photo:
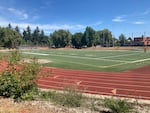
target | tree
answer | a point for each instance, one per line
(9, 26)
(27, 36)
(76, 40)
(88, 37)
(129, 41)
(61, 38)
(104, 38)
(9, 38)
(122, 39)
(36, 36)
(43, 40)
(17, 29)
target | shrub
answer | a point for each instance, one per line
(69, 97)
(118, 105)
(19, 84)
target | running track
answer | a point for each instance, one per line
(132, 84)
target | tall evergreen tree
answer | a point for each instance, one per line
(9, 26)
(17, 29)
(36, 36)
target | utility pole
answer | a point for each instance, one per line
(132, 40)
(103, 39)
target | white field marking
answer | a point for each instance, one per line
(84, 64)
(132, 62)
(140, 60)
(90, 58)
(120, 55)
(35, 53)
(68, 56)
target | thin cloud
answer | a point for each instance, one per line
(96, 24)
(146, 12)
(139, 22)
(45, 27)
(118, 19)
(19, 13)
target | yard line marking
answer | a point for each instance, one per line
(90, 58)
(35, 53)
(140, 60)
(121, 55)
(131, 62)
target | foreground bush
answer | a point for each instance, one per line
(19, 84)
(118, 105)
(70, 97)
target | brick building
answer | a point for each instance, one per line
(142, 41)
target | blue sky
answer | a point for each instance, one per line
(119, 16)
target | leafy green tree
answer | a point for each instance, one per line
(88, 37)
(9, 38)
(107, 37)
(122, 40)
(61, 38)
(104, 38)
(76, 40)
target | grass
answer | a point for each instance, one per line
(95, 60)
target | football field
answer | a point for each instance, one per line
(96, 60)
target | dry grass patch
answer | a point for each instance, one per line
(40, 61)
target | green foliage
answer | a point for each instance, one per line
(89, 37)
(76, 40)
(61, 38)
(14, 57)
(122, 40)
(19, 84)
(118, 105)
(9, 38)
(69, 97)
(104, 37)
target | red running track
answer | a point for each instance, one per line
(132, 84)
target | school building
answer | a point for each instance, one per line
(142, 41)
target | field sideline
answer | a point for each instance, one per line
(96, 60)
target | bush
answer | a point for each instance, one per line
(69, 97)
(19, 84)
(117, 105)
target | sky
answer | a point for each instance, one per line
(130, 17)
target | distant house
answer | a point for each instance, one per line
(142, 41)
